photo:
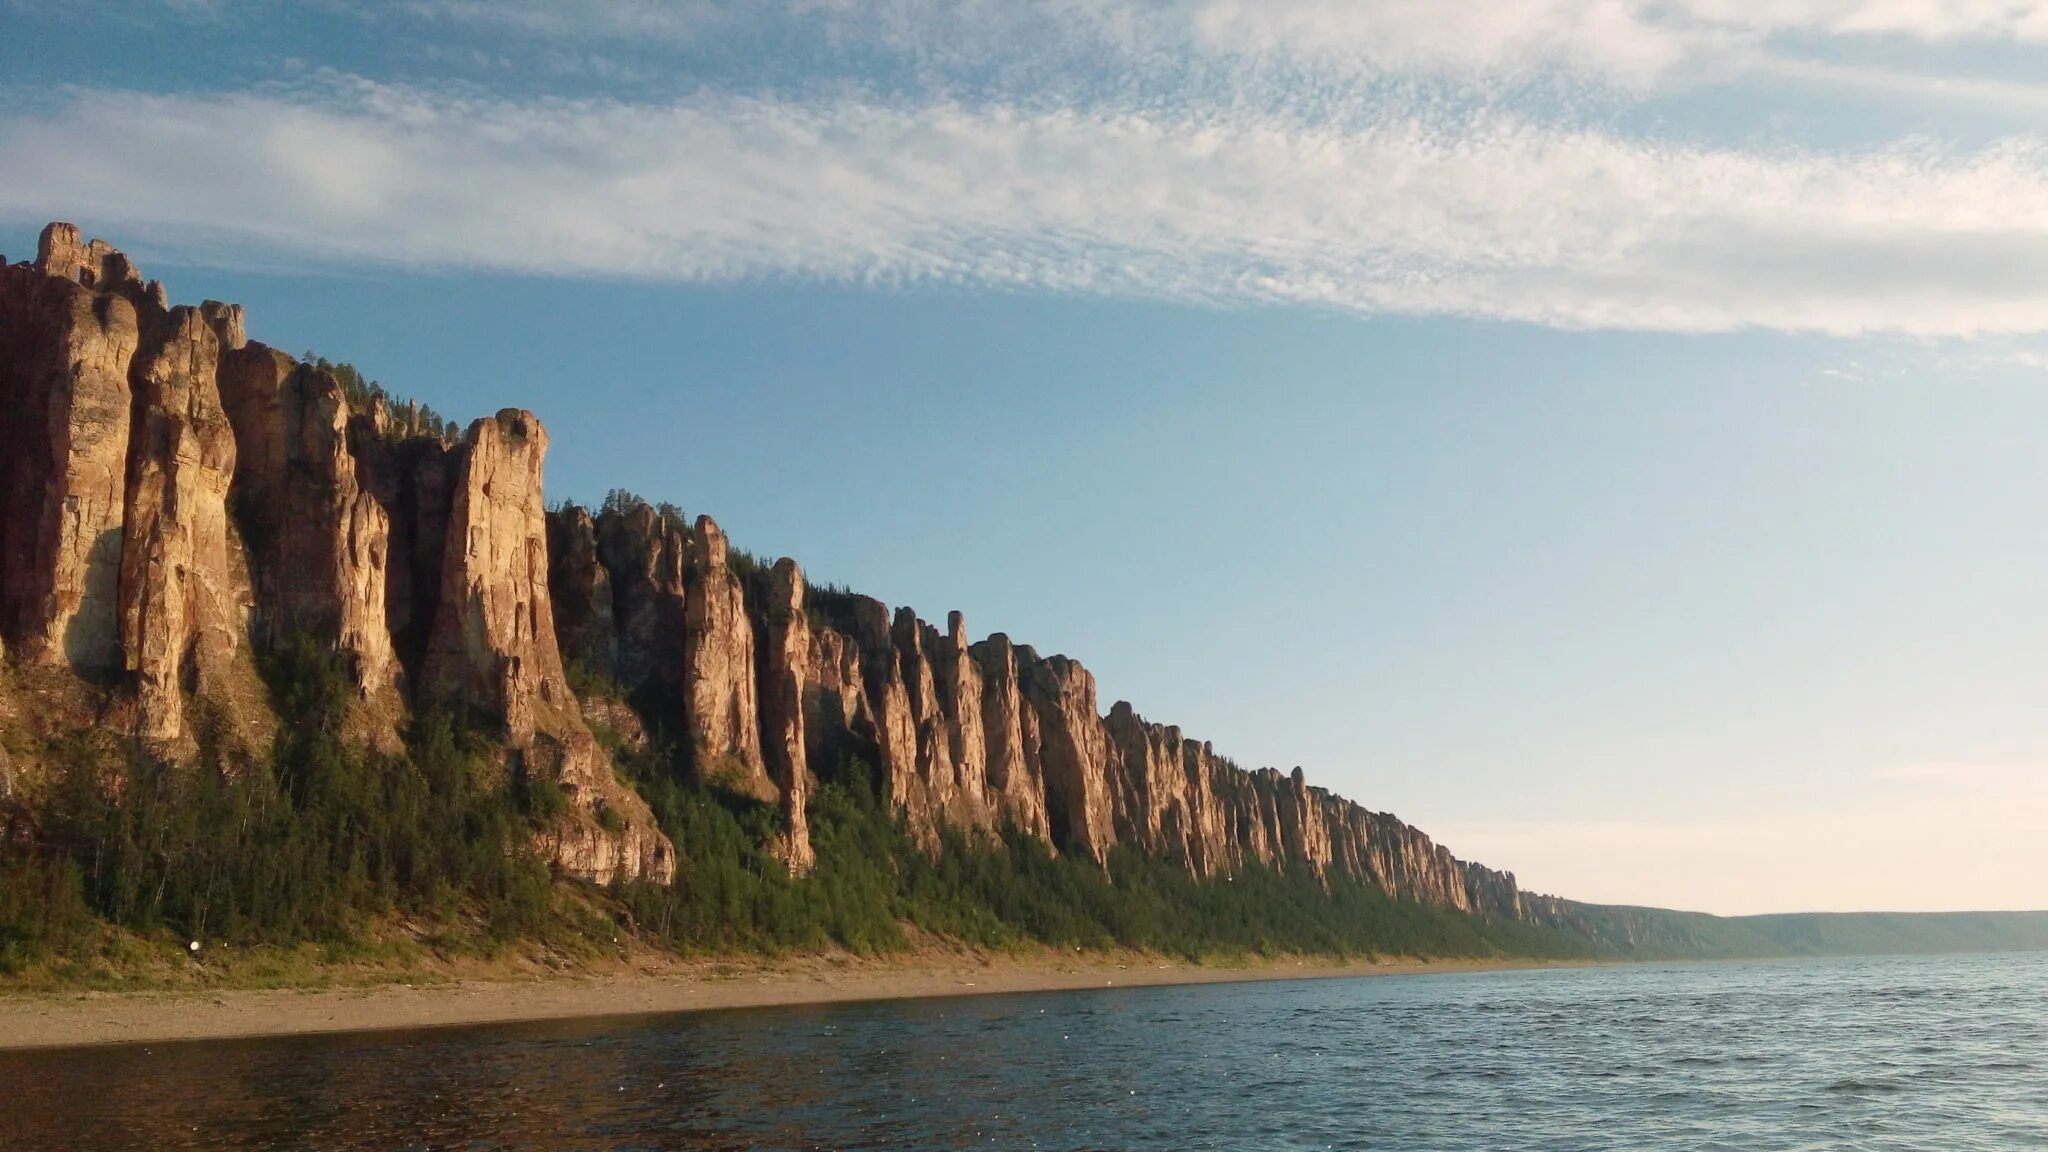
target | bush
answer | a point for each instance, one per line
(323, 837)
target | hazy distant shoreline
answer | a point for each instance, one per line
(63, 1019)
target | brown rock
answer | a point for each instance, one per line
(1074, 754)
(184, 582)
(895, 727)
(1158, 796)
(721, 709)
(838, 721)
(581, 589)
(319, 543)
(644, 552)
(1211, 847)
(785, 666)
(1303, 837)
(65, 407)
(936, 774)
(410, 478)
(957, 681)
(493, 650)
(95, 266)
(1014, 784)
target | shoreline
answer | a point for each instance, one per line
(44, 1020)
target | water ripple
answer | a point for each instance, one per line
(1891, 1055)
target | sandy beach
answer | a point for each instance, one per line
(58, 1019)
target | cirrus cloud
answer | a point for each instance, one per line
(1630, 41)
(1479, 214)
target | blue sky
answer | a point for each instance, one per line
(1606, 433)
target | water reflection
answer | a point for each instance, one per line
(1909, 1054)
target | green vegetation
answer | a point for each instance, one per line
(323, 842)
(408, 418)
(1660, 933)
(618, 501)
(313, 845)
(872, 881)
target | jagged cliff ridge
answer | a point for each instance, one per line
(176, 499)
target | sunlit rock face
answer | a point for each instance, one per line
(493, 650)
(785, 665)
(319, 542)
(722, 708)
(175, 500)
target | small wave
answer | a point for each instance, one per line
(1853, 1086)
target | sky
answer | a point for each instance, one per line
(1606, 433)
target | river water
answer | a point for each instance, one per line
(1946, 1053)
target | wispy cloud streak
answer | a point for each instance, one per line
(1481, 214)
(1628, 41)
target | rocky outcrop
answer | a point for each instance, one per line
(184, 582)
(1013, 777)
(838, 720)
(409, 478)
(319, 542)
(956, 684)
(891, 733)
(785, 665)
(174, 499)
(937, 778)
(644, 550)
(1159, 802)
(580, 587)
(721, 709)
(1073, 753)
(65, 406)
(494, 652)
(117, 559)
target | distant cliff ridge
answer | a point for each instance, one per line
(176, 500)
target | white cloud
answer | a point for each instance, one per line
(1487, 215)
(1630, 41)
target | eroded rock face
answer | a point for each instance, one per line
(65, 406)
(117, 560)
(184, 582)
(645, 552)
(1158, 799)
(494, 651)
(410, 478)
(172, 495)
(838, 722)
(785, 667)
(319, 542)
(95, 266)
(1013, 777)
(956, 680)
(722, 709)
(581, 589)
(937, 776)
(1211, 848)
(1073, 754)
(894, 735)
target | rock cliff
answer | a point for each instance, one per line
(175, 500)
(493, 649)
(318, 541)
(721, 705)
(785, 647)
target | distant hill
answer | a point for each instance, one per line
(1658, 933)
